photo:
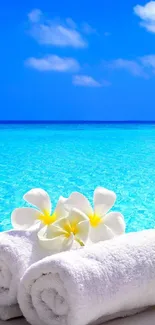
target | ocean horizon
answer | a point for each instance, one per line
(75, 122)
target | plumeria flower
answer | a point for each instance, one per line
(64, 233)
(24, 218)
(104, 225)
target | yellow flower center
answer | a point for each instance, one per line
(46, 218)
(70, 228)
(95, 219)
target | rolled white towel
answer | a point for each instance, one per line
(9, 312)
(19, 321)
(80, 287)
(145, 318)
(18, 250)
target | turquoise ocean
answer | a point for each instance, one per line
(62, 158)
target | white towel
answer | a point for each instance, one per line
(79, 287)
(19, 321)
(145, 318)
(9, 312)
(18, 250)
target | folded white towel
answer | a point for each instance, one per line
(79, 287)
(18, 250)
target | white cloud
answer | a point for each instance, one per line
(35, 15)
(71, 23)
(131, 66)
(143, 66)
(55, 33)
(147, 15)
(148, 61)
(85, 81)
(87, 29)
(53, 63)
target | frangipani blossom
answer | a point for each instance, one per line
(24, 218)
(62, 234)
(103, 225)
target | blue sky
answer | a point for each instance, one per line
(77, 60)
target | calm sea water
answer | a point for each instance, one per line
(66, 158)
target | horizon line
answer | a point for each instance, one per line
(75, 122)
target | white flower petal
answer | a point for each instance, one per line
(54, 230)
(39, 198)
(83, 230)
(60, 210)
(68, 243)
(76, 216)
(103, 200)
(115, 221)
(62, 223)
(78, 201)
(100, 233)
(55, 244)
(24, 218)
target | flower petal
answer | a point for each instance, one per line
(78, 201)
(63, 224)
(55, 244)
(103, 200)
(68, 243)
(24, 218)
(76, 216)
(60, 210)
(54, 230)
(115, 221)
(83, 230)
(39, 198)
(100, 233)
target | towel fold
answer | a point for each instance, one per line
(96, 282)
(18, 250)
